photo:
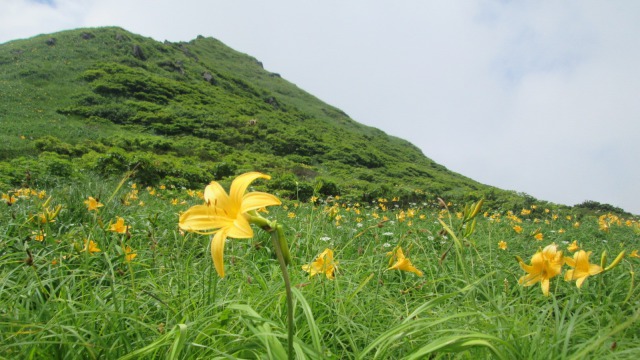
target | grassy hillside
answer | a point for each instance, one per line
(107, 140)
(109, 101)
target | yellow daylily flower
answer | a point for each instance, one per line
(581, 267)
(49, 215)
(90, 246)
(38, 235)
(10, 199)
(502, 245)
(92, 204)
(402, 262)
(119, 226)
(323, 264)
(574, 246)
(545, 265)
(226, 215)
(129, 254)
(634, 254)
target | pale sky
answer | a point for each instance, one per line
(541, 97)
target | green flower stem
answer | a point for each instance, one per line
(277, 236)
(284, 247)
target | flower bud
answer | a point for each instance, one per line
(616, 261)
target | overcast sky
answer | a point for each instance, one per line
(541, 97)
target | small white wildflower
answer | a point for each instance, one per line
(387, 234)
(359, 225)
(386, 245)
(430, 238)
(325, 238)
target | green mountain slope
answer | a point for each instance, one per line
(108, 101)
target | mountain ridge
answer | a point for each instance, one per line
(184, 113)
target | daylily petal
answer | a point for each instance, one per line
(530, 279)
(545, 287)
(326, 254)
(241, 183)
(595, 269)
(568, 276)
(217, 251)
(308, 269)
(240, 229)
(203, 218)
(215, 195)
(569, 261)
(580, 281)
(400, 254)
(257, 200)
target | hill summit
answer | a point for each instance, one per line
(106, 101)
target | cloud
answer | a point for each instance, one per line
(26, 18)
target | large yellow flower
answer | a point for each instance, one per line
(402, 263)
(323, 264)
(226, 215)
(581, 267)
(545, 265)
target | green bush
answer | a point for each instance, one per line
(56, 165)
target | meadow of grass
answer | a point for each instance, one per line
(76, 284)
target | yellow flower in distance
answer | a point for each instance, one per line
(402, 262)
(90, 246)
(574, 246)
(92, 204)
(119, 227)
(634, 254)
(517, 229)
(129, 254)
(581, 267)
(502, 245)
(38, 235)
(323, 264)
(48, 215)
(10, 199)
(226, 215)
(545, 265)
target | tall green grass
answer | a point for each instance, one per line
(58, 301)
